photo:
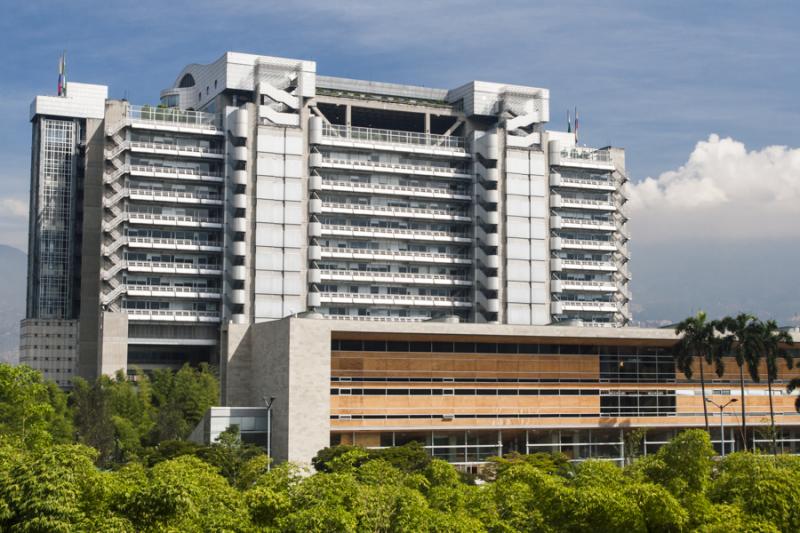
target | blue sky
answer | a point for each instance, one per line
(654, 77)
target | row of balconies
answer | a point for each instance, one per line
(171, 119)
(169, 315)
(377, 318)
(581, 157)
(315, 299)
(163, 267)
(316, 183)
(560, 307)
(382, 139)
(561, 243)
(318, 161)
(361, 276)
(558, 180)
(171, 196)
(317, 229)
(558, 264)
(156, 243)
(558, 201)
(317, 253)
(153, 171)
(318, 206)
(174, 220)
(562, 222)
(174, 150)
(170, 291)
(561, 285)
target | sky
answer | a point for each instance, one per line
(702, 95)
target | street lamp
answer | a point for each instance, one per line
(721, 419)
(268, 403)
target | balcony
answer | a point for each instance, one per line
(557, 264)
(560, 222)
(560, 307)
(357, 318)
(557, 201)
(391, 140)
(394, 190)
(170, 196)
(582, 157)
(168, 291)
(171, 173)
(560, 243)
(174, 150)
(167, 315)
(316, 160)
(392, 255)
(174, 220)
(393, 233)
(558, 180)
(188, 245)
(388, 277)
(561, 285)
(394, 299)
(165, 267)
(402, 212)
(172, 119)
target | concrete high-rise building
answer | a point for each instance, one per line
(258, 189)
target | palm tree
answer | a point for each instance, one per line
(698, 340)
(773, 345)
(741, 341)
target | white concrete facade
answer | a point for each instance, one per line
(258, 190)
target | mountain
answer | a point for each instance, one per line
(13, 273)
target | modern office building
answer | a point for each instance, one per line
(258, 189)
(471, 391)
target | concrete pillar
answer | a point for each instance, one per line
(427, 123)
(348, 115)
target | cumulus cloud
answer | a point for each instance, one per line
(723, 192)
(13, 208)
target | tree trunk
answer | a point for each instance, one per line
(703, 390)
(744, 420)
(772, 418)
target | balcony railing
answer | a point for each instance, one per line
(155, 218)
(587, 244)
(455, 214)
(399, 168)
(589, 223)
(172, 243)
(394, 277)
(176, 148)
(395, 254)
(168, 195)
(559, 180)
(403, 190)
(173, 117)
(175, 172)
(579, 154)
(166, 290)
(396, 299)
(133, 265)
(358, 318)
(394, 137)
(411, 234)
(170, 314)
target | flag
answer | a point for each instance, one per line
(576, 124)
(62, 75)
(569, 122)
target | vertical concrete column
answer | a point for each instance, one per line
(348, 115)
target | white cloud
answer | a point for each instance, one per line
(722, 192)
(13, 208)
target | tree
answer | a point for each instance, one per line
(182, 398)
(30, 409)
(742, 341)
(229, 454)
(698, 341)
(773, 343)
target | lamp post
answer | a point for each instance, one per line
(268, 403)
(721, 419)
